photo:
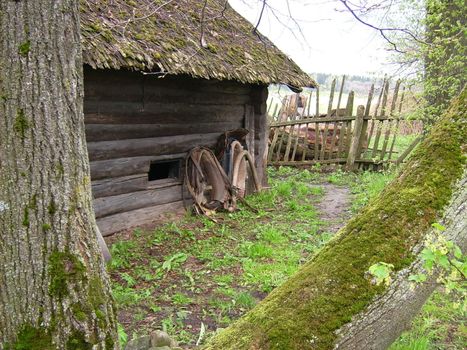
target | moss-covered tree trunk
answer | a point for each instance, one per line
(54, 292)
(332, 302)
(445, 54)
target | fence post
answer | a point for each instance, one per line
(356, 135)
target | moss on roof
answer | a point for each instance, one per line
(175, 37)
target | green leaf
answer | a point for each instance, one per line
(438, 226)
(457, 252)
(418, 278)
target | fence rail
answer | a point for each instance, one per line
(364, 140)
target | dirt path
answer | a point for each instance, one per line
(334, 206)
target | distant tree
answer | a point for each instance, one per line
(429, 41)
(54, 291)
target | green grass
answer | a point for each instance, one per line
(440, 325)
(194, 270)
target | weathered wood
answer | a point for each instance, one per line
(273, 144)
(141, 199)
(391, 125)
(120, 167)
(380, 123)
(310, 162)
(365, 138)
(249, 124)
(123, 221)
(334, 131)
(357, 135)
(331, 97)
(149, 147)
(165, 113)
(375, 115)
(391, 150)
(117, 78)
(119, 185)
(408, 150)
(110, 132)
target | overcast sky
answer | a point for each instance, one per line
(334, 41)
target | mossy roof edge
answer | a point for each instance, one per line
(179, 37)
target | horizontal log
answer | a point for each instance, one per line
(200, 97)
(118, 222)
(108, 132)
(141, 199)
(120, 167)
(162, 113)
(119, 185)
(149, 146)
(117, 78)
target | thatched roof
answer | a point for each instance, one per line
(182, 37)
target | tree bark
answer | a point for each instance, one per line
(54, 290)
(445, 56)
(332, 302)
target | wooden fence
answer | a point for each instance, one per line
(367, 139)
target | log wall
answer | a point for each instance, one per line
(133, 119)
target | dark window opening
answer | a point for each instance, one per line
(164, 170)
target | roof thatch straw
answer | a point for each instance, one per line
(201, 38)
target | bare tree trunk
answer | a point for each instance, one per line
(54, 291)
(331, 302)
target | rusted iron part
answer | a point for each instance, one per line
(207, 182)
(209, 185)
(226, 138)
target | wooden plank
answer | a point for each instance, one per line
(364, 137)
(390, 123)
(105, 206)
(249, 124)
(314, 120)
(161, 113)
(198, 97)
(311, 162)
(334, 131)
(289, 142)
(375, 115)
(396, 129)
(316, 155)
(408, 150)
(350, 164)
(380, 123)
(149, 146)
(119, 185)
(110, 132)
(297, 138)
(120, 167)
(331, 97)
(280, 142)
(273, 143)
(123, 221)
(308, 114)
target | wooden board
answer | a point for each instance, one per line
(114, 186)
(149, 146)
(109, 132)
(123, 221)
(126, 166)
(135, 200)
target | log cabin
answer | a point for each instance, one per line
(160, 79)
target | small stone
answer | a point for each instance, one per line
(141, 343)
(160, 339)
